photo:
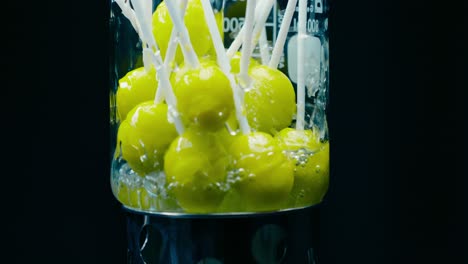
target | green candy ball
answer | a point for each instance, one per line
(196, 166)
(270, 103)
(204, 95)
(194, 21)
(144, 137)
(135, 87)
(266, 175)
(311, 172)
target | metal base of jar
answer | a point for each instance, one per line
(289, 236)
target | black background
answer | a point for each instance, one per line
(396, 127)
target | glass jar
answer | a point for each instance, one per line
(198, 131)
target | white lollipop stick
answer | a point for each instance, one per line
(260, 23)
(172, 46)
(144, 20)
(146, 35)
(143, 15)
(264, 48)
(247, 44)
(283, 33)
(170, 53)
(187, 49)
(129, 14)
(224, 64)
(237, 42)
(302, 34)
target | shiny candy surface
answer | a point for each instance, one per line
(196, 166)
(311, 158)
(270, 102)
(204, 95)
(144, 137)
(135, 87)
(196, 26)
(266, 175)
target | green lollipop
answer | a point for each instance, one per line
(270, 103)
(135, 87)
(311, 172)
(144, 137)
(196, 165)
(204, 95)
(266, 174)
(195, 24)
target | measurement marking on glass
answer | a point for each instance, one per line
(235, 23)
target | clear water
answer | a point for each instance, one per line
(151, 191)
